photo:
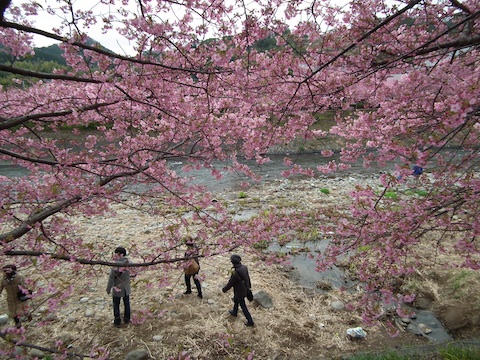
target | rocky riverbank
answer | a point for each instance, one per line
(301, 324)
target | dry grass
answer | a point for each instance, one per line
(301, 325)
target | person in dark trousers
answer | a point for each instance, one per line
(240, 281)
(192, 267)
(119, 282)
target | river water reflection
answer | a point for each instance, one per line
(302, 257)
(273, 170)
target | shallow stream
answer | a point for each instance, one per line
(302, 260)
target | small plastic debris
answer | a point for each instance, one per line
(356, 333)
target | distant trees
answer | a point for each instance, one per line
(51, 53)
(9, 80)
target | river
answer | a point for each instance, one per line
(270, 170)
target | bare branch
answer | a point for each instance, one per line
(29, 159)
(458, 44)
(461, 6)
(97, 262)
(3, 6)
(8, 338)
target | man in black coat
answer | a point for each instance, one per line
(240, 281)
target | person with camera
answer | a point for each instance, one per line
(17, 293)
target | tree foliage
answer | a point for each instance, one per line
(413, 65)
(51, 53)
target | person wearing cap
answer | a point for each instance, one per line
(119, 282)
(240, 281)
(191, 268)
(13, 283)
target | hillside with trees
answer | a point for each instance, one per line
(47, 60)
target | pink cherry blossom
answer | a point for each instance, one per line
(198, 91)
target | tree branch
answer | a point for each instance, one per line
(457, 44)
(100, 50)
(36, 217)
(422, 50)
(97, 262)
(29, 159)
(9, 123)
(410, 5)
(7, 337)
(461, 6)
(39, 75)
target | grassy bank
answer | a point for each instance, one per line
(455, 350)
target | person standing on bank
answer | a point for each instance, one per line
(13, 283)
(191, 268)
(119, 282)
(240, 281)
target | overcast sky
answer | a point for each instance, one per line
(46, 21)
(118, 43)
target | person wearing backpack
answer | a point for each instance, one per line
(191, 268)
(240, 281)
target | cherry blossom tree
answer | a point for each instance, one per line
(402, 76)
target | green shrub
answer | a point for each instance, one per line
(418, 192)
(364, 248)
(460, 282)
(459, 353)
(242, 195)
(325, 191)
(421, 192)
(391, 195)
(261, 245)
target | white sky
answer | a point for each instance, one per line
(118, 44)
(46, 21)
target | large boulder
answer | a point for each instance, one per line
(263, 299)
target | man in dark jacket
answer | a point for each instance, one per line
(240, 281)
